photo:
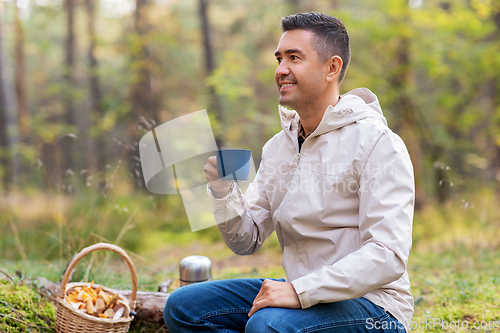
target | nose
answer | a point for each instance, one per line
(282, 70)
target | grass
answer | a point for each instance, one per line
(453, 265)
(456, 287)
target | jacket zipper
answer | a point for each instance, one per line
(296, 163)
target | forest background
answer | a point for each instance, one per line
(82, 80)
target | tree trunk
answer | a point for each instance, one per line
(496, 137)
(334, 5)
(68, 91)
(5, 166)
(141, 92)
(23, 115)
(8, 123)
(495, 104)
(294, 6)
(215, 105)
(21, 89)
(97, 110)
(141, 95)
(407, 124)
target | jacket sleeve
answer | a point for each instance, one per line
(386, 201)
(244, 222)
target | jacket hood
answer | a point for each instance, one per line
(353, 106)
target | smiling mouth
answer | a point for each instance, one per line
(287, 85)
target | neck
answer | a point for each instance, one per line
(311, 116)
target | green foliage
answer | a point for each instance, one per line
(449, 82)
(231, 80)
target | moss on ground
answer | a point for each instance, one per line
(23, 309)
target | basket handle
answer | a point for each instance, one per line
(95, 247)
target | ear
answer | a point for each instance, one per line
(334, 68)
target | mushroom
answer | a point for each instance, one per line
(109, 313)
(99, 306)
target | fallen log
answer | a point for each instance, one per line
(149, 305)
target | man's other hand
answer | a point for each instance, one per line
(219, 188)
(276, 294)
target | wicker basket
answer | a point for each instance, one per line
(69, 320)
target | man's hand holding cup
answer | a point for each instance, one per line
(228, 166)
(219, 188)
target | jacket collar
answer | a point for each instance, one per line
(353, 106)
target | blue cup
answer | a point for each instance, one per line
(233, 164)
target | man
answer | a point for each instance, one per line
(336, 184)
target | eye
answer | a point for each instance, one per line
(279, 60)
(294, 57)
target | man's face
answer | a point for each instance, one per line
(300, 76)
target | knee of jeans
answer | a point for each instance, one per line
(175, 307)
(260, 322)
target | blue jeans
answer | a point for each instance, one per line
(223, 306)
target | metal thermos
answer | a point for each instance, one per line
(195, 269)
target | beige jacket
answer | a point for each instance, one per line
(342, 208)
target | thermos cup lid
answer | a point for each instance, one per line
(195, 269)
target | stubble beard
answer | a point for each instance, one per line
(302, 107)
